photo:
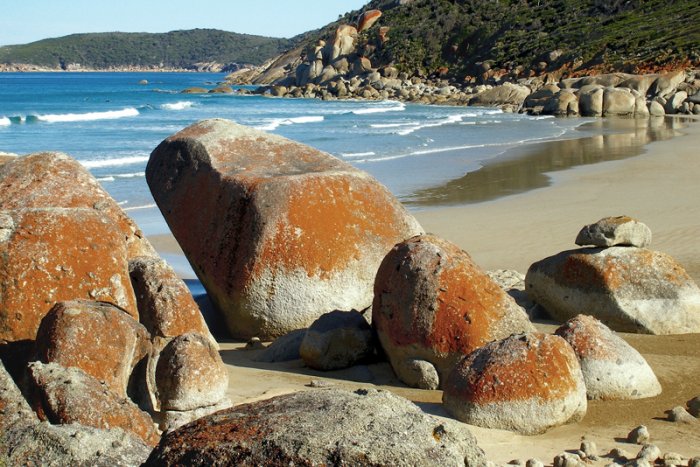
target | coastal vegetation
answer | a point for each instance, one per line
(175, 49)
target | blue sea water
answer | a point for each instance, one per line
(110, 123)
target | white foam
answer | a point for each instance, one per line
(122, 203)
(276, 122)
(357, 154)
(381, 108)
(116, 162)
(145, 206)
(445, 121)
(105, 179)
(89, 116)
(180, 105)
(4, 121)
(111, 178)
(393, 125)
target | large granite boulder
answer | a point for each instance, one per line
(69, 395)
(618, 102)
(562, 103)
(279, 233)
(97, 337)
(590, 100)
(433, 305)
(367, 19)
(55, 180)
(60, 445)
(54, 254)
(526, 383)
(343, 43)
(612, 369)
(505, 94)
(666, 84)
(321, 427)
(166, 306)
(629, 289)
(336, 340)
(612, 231)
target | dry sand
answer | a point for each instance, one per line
(660, 187)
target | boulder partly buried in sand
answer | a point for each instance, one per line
(53, 254)
(278, 232)
(99, 338)
(628, 289)
(613, 231)
(321, 427)
(433, 305)
(526, 383)
(611, 368)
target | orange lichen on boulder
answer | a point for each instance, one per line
(367, 19)
(50, 255)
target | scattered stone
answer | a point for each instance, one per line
(673, 458)
(628, 289)
(567, 459)
(46, 444)
(639, 435)
(680, 415)
(99, 338)
(254, 343)
(337, 340)
(589, 448)
(694, 406)
(433, 305)
(534, 463)
(649, 452)
(526, 383)
(194, 90)
(319, 383)
(285, 232)
(166, 307)
(619, 454)
(54, 254)
(69, 395)
(321, 427)
(284, 348)
(611, 231)
(612, 369)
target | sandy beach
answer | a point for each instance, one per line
(660, 187)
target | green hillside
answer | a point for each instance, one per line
(179, 49)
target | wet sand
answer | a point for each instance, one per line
(661, 187)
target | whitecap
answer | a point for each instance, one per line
(116, 162)
(145, 206)
(180, 105)
(381, 108)
(350, 155)
(273, 124)
(4, 121)
(89, 116)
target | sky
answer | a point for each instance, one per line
(23, 21)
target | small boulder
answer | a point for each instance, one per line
(337, 340)
(53, 254)
(69, 395)
(284, 348)
(628, 289)
(526, 383)
(612, 231)
(638, 435)
(321, 427)
(194, 90)
(680, 415)
(656, 109)
(279, 233)
(611, 368)
(97, 337)
(433, 304)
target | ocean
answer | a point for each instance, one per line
(110, 123)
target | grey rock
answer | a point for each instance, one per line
(589, 448)
(619, 454)
(675, 102)
(568, 460)
(611, 231)
(694, 406)
(284, 348)
(61, 445)
(505, 94)
(322, 426)
(590, 100)
(639, 435)
(649, 452)
(618, 102)
(419, 374)
(336, 340)
(534, 463)
(14, 409)
(628, 289)
(680, 415)
(656, 109)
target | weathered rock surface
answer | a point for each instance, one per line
(97, 337)
(612, 231)
(321, 427)
(190, 374)
(7, 157)
(505, 94)
(611, 368)
(51, 445)
(166, 306)
(280, 233)
(367, 19)
(69, 395)
(628, 289)
(618, 102)
(14, 408)
(590, 100)
(526, 383)
(433, 304)
(53, 254)
(336, 340)
(26, 185)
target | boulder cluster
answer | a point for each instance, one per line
(103, 337)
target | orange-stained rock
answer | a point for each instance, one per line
(526, 383)
(628, 289)
(99, 338)
(612, 369)
(50, 255)
(69, 395)
(367, 19)
(343, 43)
(55, 180)
(166, 306)
(279, 233)
(433, 304)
